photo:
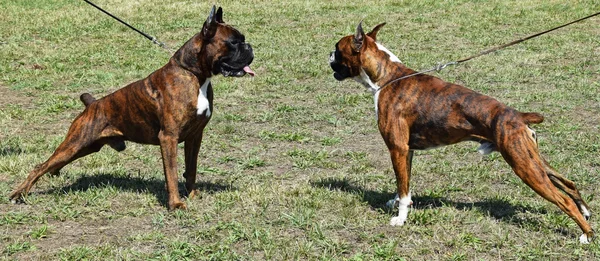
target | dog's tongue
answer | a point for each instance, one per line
(248, 70)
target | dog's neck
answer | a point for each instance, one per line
(187, 57)
(375, 73)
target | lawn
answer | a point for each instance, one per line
(292, 166)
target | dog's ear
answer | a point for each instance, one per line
(373, 33)
(210, 26)
(219, 17)
(359, 38)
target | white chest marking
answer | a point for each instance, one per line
(364, 79)
(376, 100)
(203, 103)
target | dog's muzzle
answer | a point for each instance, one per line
(340, 71)
(237, 64)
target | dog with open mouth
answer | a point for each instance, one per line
(172, 105)
(424, 112)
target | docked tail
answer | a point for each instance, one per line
(87, 99)
(532, 117)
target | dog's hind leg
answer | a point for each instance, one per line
(569, 188)
(521, 153)
(64, 154)
(79, 142)
(117, 143)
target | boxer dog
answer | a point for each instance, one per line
(172, 105)
(423, 112)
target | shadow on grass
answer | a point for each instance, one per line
(501, 210)
(8, 150)
(136, 184)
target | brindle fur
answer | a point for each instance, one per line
(159, 110)
(424, 112)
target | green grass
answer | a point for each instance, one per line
(292, 165)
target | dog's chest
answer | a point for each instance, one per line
(203, 104)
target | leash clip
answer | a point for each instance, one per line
(161, 44)
(441, 66)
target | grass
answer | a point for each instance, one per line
(292, 165)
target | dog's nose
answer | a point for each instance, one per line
(248, 47)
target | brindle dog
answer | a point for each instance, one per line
(172, 105)
(423, 112)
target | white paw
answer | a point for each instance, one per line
(583, 239)
(397, 221)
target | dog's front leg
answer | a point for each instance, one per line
(168, 148)
(401, 160)
(192, 148)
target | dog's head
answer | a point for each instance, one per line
(217, 49)
(354, 52)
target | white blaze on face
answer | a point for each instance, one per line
(203, 103)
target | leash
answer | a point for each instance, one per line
(440, 66)
(149, 37)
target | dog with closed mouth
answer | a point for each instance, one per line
(172, 105)
(423, 112)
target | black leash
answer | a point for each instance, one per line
(151, 38)
(439, 67)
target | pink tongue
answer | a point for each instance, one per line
(248, 70)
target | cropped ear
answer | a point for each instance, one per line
(210, 26)
(359, 38)
(373, 33)
(219, 17)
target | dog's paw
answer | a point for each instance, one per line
(16, 198)
(192, 194)
(397, 221)
(584, 239)
(177, 205)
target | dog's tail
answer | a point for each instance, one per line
(87, 99)
(532, 117)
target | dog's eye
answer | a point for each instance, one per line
(236, 42)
